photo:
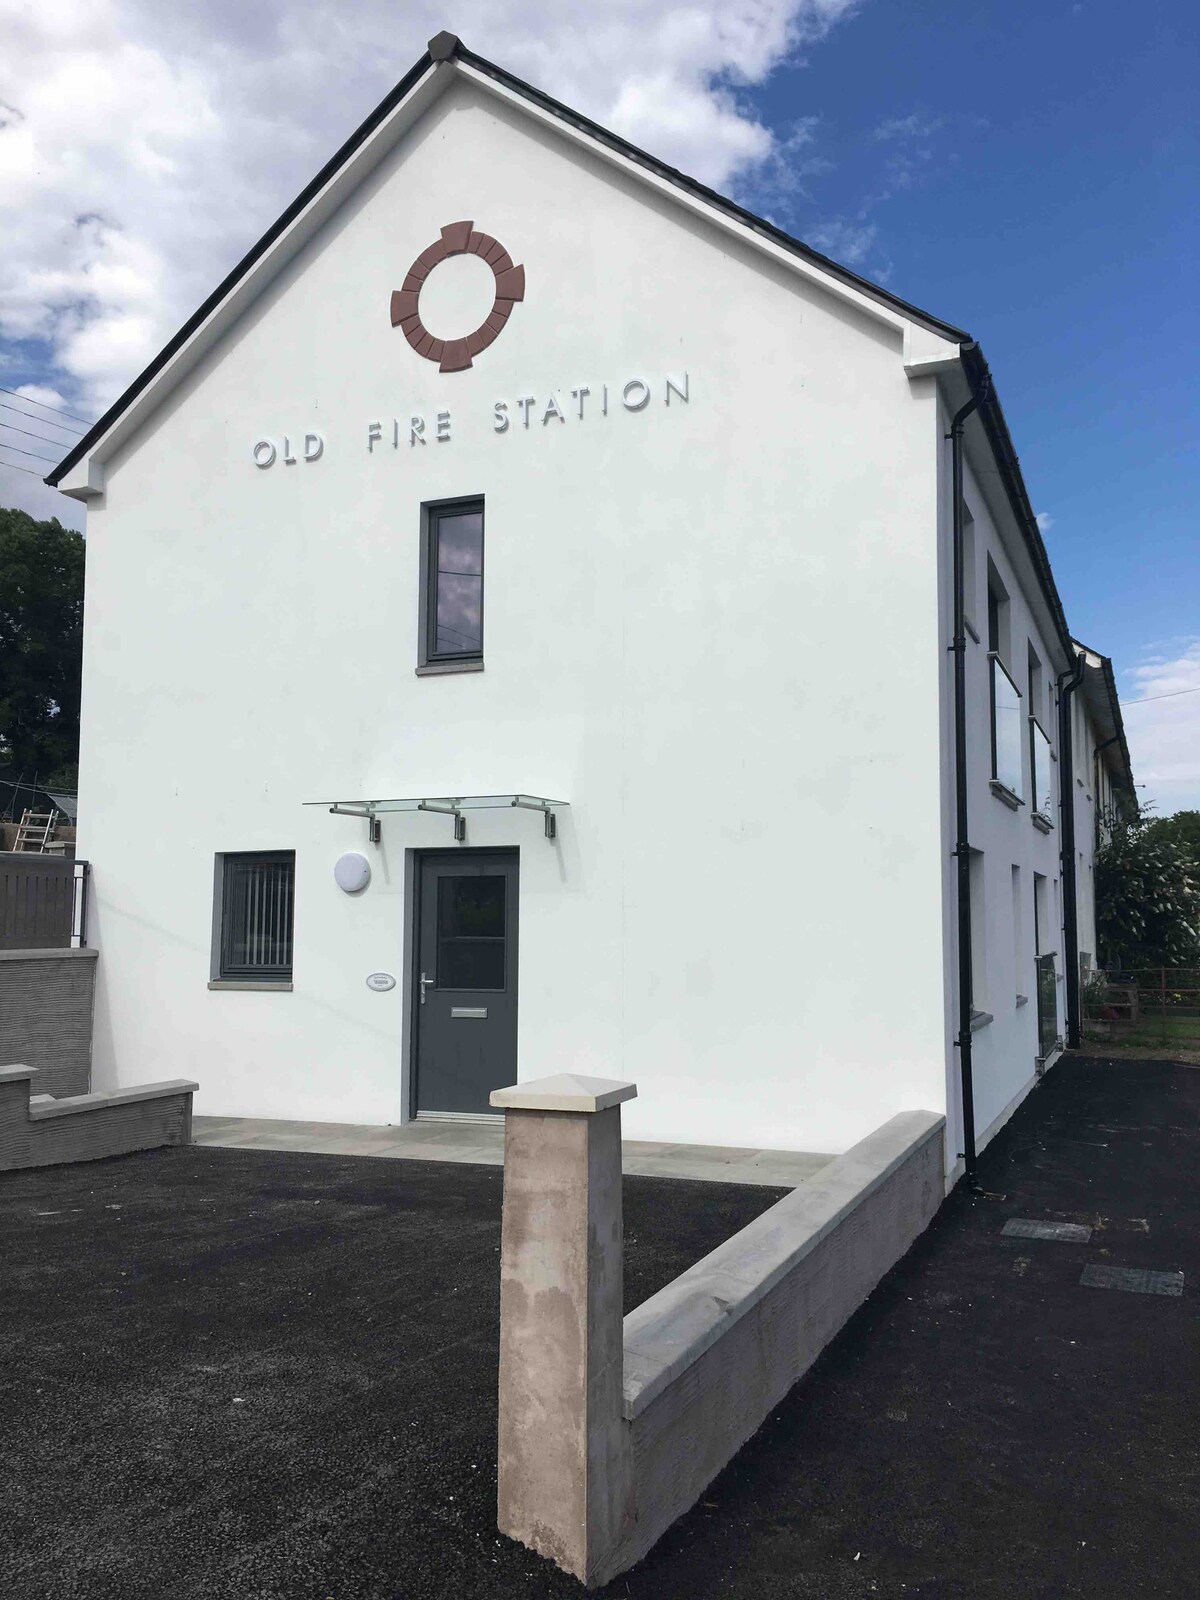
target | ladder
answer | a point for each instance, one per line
(34, 831)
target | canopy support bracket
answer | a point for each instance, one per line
(374, 826)
(547, 812)
(451, 810)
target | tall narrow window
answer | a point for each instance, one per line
(1020, 977)
(970, 603)
(999, 616)
(256, 916)
(1005, 696)
(1035, 681)
(979, 949)
(452, 584)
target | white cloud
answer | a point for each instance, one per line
(42, 395)
(144, 147)
(848, 242)
(914, 126)
(1044, 521)
(1163, 728)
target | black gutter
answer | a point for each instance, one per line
(962, 847)
(975, 368)
(1110, 684)
(1068, 683)
(446, 47)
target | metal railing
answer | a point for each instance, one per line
(43, 902)
(1006, 728)
(1146, 1007)
(1047, 1005)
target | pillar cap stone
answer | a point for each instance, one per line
(566, 1091)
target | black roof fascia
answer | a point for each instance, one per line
(556, 109)
(1114, 705)
(994, 425)
(1110, 683)
(230, 281)
(718, 201)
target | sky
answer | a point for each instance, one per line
(1026, 169)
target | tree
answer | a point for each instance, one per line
(1183, 828)
(1147, 895)
(41, 644)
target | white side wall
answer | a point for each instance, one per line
(710, 628)
(1003, 1049)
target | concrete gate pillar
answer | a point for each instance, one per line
(565, 1474)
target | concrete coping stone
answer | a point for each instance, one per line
(566, 1091)
(72, 1105)
(15, 1074)
(671, 1330)
(88, 952)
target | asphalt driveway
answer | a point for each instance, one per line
(230, 1373)
(250, 1376)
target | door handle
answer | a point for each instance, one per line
(424, 982)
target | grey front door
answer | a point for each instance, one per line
(465, 999)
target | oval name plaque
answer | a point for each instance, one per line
(381, 981)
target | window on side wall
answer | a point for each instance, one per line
(451, 622)
(999, 616)
(1021, 976)
(979, 946)
(253, 932)
(970, 601)
(1007, 732)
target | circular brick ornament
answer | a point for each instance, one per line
(457, 239)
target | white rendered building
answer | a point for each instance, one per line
(576, 550)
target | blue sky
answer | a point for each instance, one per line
(1050, 204)
(1029, 171)
(1047, 198)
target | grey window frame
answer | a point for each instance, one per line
(996, 664)
(224, 970)
(429, 659)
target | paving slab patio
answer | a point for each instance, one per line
(482, 1144)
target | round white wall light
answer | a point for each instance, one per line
(352, 872)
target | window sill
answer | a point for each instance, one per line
(1005, 794)
(250, 984)
(1041, 822)
(980, 1019)
(439, 669)
(1022, 999)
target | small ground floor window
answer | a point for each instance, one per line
(256, 893)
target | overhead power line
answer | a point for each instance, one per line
(1171, 695)
(14, 466)
(47, 422)
(29, 400)
(40, 437)
(51, 459)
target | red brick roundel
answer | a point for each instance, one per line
(458, 239)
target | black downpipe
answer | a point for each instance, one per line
(962, 846)
(1068, 683)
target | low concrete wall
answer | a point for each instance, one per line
(46, 999)
(703, 1361)
(709, 1356)
(40, 1131)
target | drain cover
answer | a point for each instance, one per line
(1066, 1232)
(1137, 1280)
